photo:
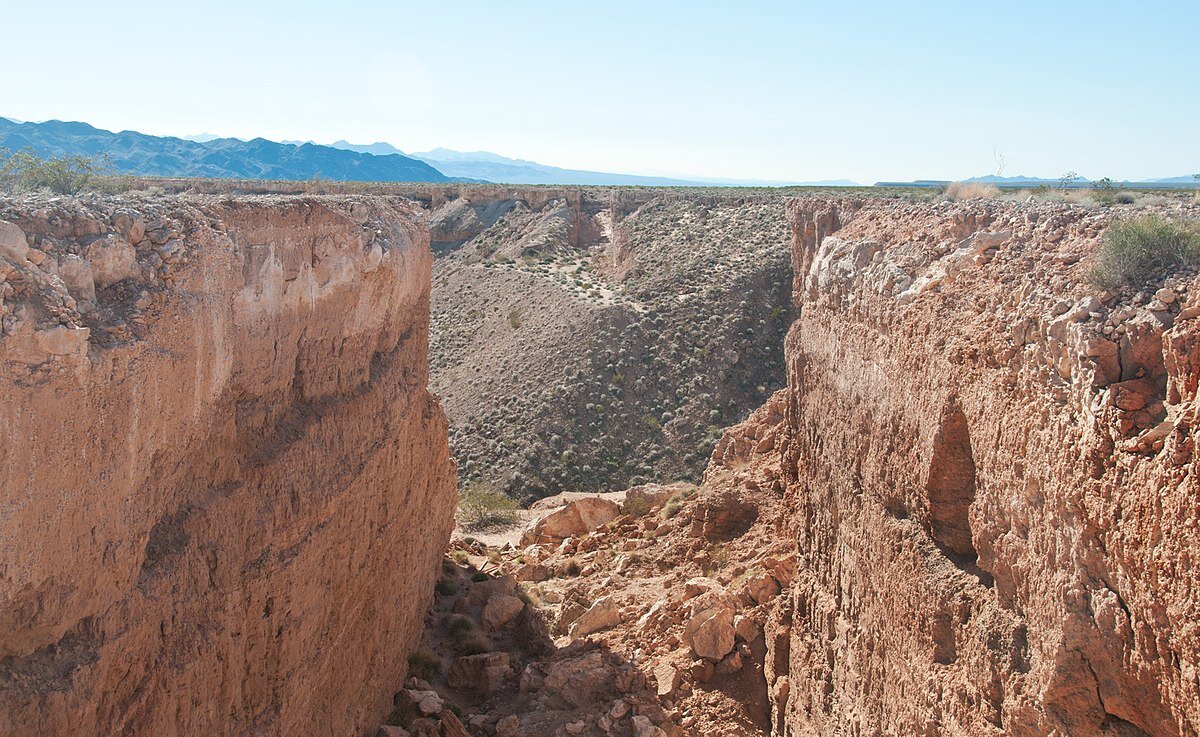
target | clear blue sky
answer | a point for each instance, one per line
(779, 90)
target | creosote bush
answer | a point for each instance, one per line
(1135, 248)
(481, 508)
(25, 171)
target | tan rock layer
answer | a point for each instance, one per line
(224, 487)
(991, 471)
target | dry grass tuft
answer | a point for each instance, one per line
(971, 190)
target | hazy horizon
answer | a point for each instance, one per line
(936, 91)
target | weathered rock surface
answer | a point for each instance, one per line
(577, 517)
(992, 474)
(224, 488)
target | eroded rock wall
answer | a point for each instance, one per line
(224, 486)
(991, 470)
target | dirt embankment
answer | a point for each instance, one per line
(224, 486)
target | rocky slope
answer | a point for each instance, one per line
(224, 487)
(591, 339)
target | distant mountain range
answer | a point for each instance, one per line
(208, 155)
(137, 153)
(1024, 182)
(502, 169)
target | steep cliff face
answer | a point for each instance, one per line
(991, 474)
(224, 487)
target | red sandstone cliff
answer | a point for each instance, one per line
(224, 488)
(991, 472)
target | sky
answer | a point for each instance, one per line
(794, 91)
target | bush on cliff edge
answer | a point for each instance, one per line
(1135, 248)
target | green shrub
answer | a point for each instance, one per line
(636, 506)
(424, 664)
(481, 508)
(475, 644)
(460, 626)
(69, 175)
(1107, 193)
(1135, 248)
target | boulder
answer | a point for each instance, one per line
(509, 726)
(535, 572)
(452, 726)
(485, 672)
(668, 678)
(575, 518)
(112, 259)
(12, 242)
(581, 681)
(603, 614)
(391, 730)
(710, 631)
(643, 727)
(762, 588)
(746, 628)
(76, 274)
(697, 585)
(500, 610)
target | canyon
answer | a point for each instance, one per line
(939, 482)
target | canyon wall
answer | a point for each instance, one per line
(224, 486)
(991, 471)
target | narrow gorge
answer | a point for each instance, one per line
(818, 465)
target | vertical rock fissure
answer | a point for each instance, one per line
(950, 486)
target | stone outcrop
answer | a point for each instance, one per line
(577, 517)
(224, 487)
(990, 467)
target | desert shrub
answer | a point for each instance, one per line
(460, 626)
(514, 318)
(672, 507)
(445, 587)
(636, 506)
(971, 190)
(530, 595)
(481, 507)
(1107, 193)
(475, 643)
(424, 664)
(572, 568)
(68, 175)
(1135, 248)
